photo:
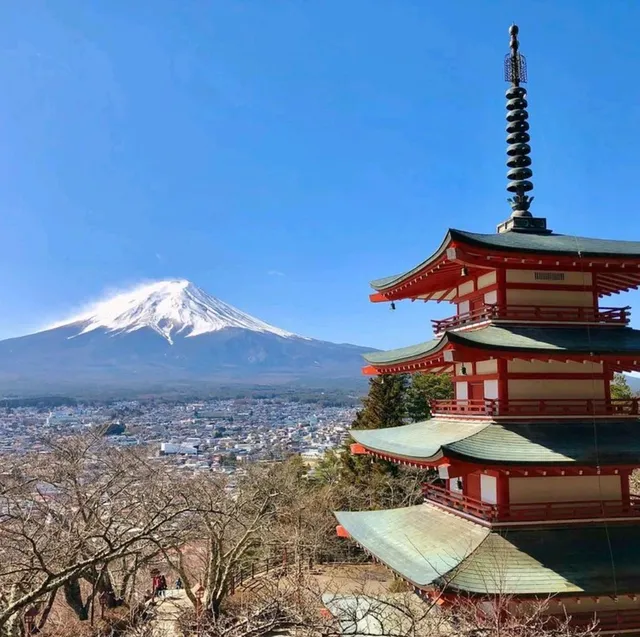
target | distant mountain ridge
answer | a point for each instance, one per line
(634, 382)
(168, 333)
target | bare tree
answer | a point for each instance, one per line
(225, 527)
(68, 515)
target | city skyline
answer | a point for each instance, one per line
(280, 157)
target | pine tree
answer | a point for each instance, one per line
(620, 388)
(423, 389)
(385, 404)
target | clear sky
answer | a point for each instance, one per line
(281, 154)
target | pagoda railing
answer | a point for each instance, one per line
(532, 511)
(535, 313)
(459, 502)
(526, 407)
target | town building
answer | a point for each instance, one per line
(534, 456)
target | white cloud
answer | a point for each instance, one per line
(80, 311)
(275, 273)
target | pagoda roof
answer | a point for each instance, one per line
(550, 244)
(522, 243)
(570, 340)
(539, 443)
(429, 546)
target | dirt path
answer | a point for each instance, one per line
(168, 609)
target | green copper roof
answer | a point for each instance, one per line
(559, 244)
(427, 545)
(563, 442)
(578, 340)
(555, 442)
(550, 243)
(422, 542)
(599, 340)
(420, 440)
(404, 353)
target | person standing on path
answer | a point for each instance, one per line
(163, 585)
(155, 586)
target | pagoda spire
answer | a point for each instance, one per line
(518, 149)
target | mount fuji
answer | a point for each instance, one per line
(168, 334)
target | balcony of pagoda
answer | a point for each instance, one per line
(492, 313)
(531, 511)
(537, 408)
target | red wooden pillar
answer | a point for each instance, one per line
(503, 380)
(596, 300)
(501, 278)
(503, 491)
(625, 476)
(608, 377)
(471, 486)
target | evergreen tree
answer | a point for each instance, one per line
(423, 389)
(385, 404)
(620, 387)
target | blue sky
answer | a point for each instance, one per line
(280, 154)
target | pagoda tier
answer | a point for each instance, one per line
(553, 446)
(433, 550)
(620, 347)
(571, 264)
(501, 473)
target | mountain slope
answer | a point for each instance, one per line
(165, 333)
(168, 307)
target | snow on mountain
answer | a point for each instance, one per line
(140, 341)
(169, 308)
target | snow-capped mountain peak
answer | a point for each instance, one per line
(169, 308)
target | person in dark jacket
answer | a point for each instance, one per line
(163, 585)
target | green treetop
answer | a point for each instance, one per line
(423, 389)
(620, 387)
(385, 404)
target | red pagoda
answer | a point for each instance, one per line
(533, 454)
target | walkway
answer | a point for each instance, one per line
(167, 611)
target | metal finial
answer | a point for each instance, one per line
(518, 150)
(515, 64)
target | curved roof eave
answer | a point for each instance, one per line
(624, 341)
(552, 244)
(507, 443)
(427, 545)
(402, 354)
(422, 441)
(385, 283)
